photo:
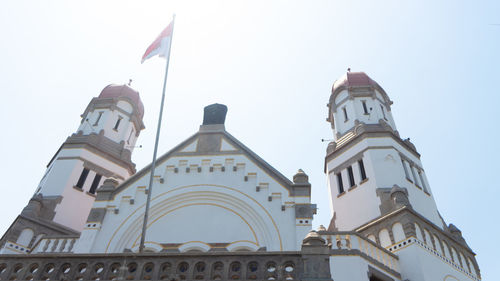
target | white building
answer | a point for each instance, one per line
(220, 212)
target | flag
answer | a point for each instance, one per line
(161, 45)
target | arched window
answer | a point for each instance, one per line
(235, 270)
(385, 239)
(462, 261)
(446, 250)
(398, 232)
(438, 245)
(454, 255)
(147, 271)
(418, 232)
(25, 237)
(289, 271)
(131, 270)
(199, 271)
(271, 273)
(165, 271)
(472, 269)
(427, 238)
(217, 270)
(252, 269)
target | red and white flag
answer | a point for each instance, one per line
(161, 45)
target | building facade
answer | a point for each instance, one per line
(220, 212)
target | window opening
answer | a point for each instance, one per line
(83, 177)
(339, 181)
(406, 169)
(95, 183)
(98, 118)
(365, 109)
(414, 176)
(345, 114)
(362, 169)
(117, 123)
(422, 182)
(131, 132)
(383, 112)
(351, 176)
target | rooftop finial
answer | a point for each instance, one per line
(348, 69)
(129, 82)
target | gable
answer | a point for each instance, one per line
(213, 140)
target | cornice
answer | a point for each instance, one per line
(362, 132)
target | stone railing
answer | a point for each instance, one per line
(351, 241)
(154, 266)
(413, 240)
(55, 245)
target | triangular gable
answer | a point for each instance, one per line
(212, 141)
(226, 146)
(191, 147)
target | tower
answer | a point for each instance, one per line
(100, 149)
(378, 186)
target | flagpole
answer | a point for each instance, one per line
(153, 164)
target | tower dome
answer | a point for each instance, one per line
(353, 79)
(124, 91)
(357, 100)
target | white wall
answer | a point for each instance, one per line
(418, 263)
(352, 268)
(208, 207)
(382, 161)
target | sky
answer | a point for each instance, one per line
(273, 64)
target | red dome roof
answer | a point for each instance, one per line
(124, 91)
(354, 79)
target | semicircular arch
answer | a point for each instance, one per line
(251, 212)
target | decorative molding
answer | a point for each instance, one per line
(93, 167)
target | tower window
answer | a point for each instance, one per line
(414, 176)
(95, 183)
(422, 180)
(351, 176)
(98, 118)
(383, 112)
(117, 123)
(406, 169)
(131, 132)
(345, 114)
(362, 171)
(339, 182)
(365, 109)
(83, 177)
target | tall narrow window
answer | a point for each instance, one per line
(365, 109)
(414, 176)
(406, 169)
(345, 114)
(339, 182)
(95, 183)
(117, 123)
(98, 118)
(383, 112)
(131, 132)
(351, 176)
(422, 180)
(83, 177)
(362, 169)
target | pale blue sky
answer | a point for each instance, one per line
(273, 65)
